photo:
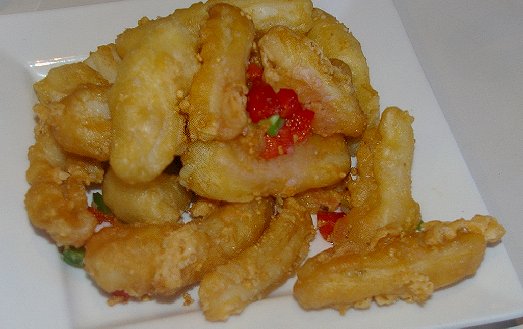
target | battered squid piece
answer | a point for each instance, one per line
(81, 122)
(292, 60)
(218, 90)
(163, 259)
(105, 60)
(294, 14)
(261, 268)
(62, 80)
(56, 201)
(381, 194)
(147, 129)
(327, 198)
(158, 201)
(337, 42)
(233, 172)
(409, 267)
(131, 38)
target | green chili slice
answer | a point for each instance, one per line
(275, 124)
(100, 205)
(74, 256)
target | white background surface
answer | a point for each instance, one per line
(472, 55)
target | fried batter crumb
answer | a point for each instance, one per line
(187, 299)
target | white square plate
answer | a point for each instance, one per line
(39, 291)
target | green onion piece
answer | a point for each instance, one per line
(276, 122)
(74, 256)
(100, 205)
(419, 228)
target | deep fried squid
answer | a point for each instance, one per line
(162, 259)
(337, 42)
(409, 267)
(161, 200)
(56, 202)
(62, 80)
(81, 122)
(234, 173)
(147, 129)
(105, 61)
(381, 194)
(261, 268)
(291, 60)
(217, 95)
(294, 14)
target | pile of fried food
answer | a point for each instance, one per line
(160, 121)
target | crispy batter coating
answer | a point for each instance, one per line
(381, 194)
(294, 14)
(291, 60)
(160, 200)
(176, 85)
(327, 198)
(81, 122)
(162, 259)
(131, 38)
(230, 172)
(147, 129)
(218, 90)
(261, 268)
(62, 80)
(338, 42)
(105, 61)
(409, 267)
(56, 202)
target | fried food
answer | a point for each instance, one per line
(231, 172)
(105, 61)
(160, 200)
(409, 267)
(147, 129)
(381, 194)
(292, 60)
(63, 80)
(163, 259)
(327, 198)
(56, 201)
(264, 102)
(81, 122)
(218, 90)
(131, 38)
(294, 14)
(338, 42)
(261, 268)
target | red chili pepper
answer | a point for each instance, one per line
(118, 296)
(254, 72)
(100, 216)
(263, 102)
(289, 102)
(120, 293)
(300, 123)
(279, 144)
(326, 222)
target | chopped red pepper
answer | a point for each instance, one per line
(263, 103)
(326, 222)
(118, 297)
(300, 123)
(100, 216)
(289, 102)
(120, 293)
(254, 72)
